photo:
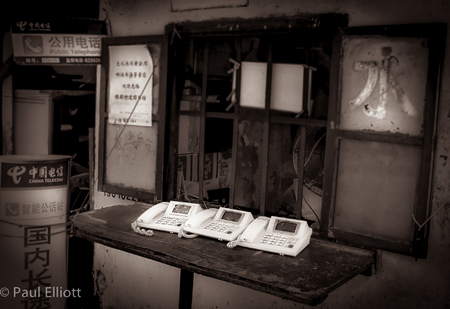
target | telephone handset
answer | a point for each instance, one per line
(37, 49)
(165, 216)
(275, 234)
(223, 223)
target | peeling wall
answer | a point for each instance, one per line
(146, 18)
(400, 282)
(123, 280)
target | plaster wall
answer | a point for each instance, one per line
(124, 280)
(400, 281)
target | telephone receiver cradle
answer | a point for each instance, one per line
(165, 216)
(201, 218)
(275, 234)
(222, 223)
(255, 229)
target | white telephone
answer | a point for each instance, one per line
(165, 216)
(223, 223)
(275, 234)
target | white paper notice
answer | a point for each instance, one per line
(287, 86)
(130, 82)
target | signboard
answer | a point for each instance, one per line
(131, 84)
(33, 231)
(63, 42)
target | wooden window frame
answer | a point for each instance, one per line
(159, 119)
(330, 23)
(436, 35)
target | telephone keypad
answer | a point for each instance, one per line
(221, 227)
(279, 240)
(169, 220)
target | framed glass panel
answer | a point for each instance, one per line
(380, 147)
(384, 84)
(376, 189)
(132, 113)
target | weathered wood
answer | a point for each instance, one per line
(241, 26)
(201, 154)
(91, 168)
(307, 278)
(109, 179)
(264, 163)
(236, 112)
(414, 244)
(6, 115)
(300, 172)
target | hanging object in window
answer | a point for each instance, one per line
(387, 82)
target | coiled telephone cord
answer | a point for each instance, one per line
(137, 229)
(234, 243)
(182, 233)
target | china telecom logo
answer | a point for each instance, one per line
(15, 172)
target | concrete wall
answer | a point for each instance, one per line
(401, 282)
(124, 280)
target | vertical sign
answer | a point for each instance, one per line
(131, 83)
(33, 231)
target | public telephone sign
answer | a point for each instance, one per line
(67, 42)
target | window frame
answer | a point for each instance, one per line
(158, 119)
(171, 81)
(239, 28)
(436, 35)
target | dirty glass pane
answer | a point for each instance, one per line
(188, 156)
(217, 179)
(282, 177)
(376, 189)
(383, 84)
(283, 170)
(248, 171)
(188, 135)
(130, 147)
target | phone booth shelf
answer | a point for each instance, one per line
(306, 278)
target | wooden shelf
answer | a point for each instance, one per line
(198, 98)
(307, 278)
